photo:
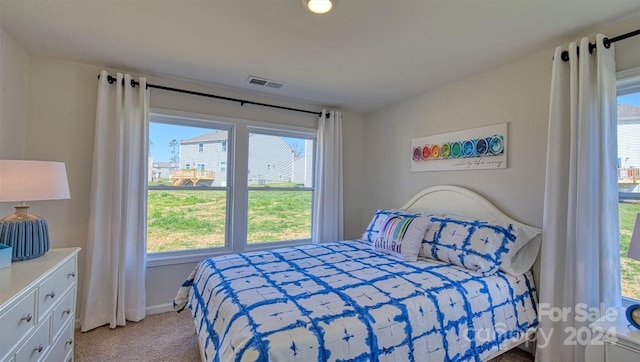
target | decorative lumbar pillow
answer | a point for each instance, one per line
(371, 233)
(401, 236)
(477, 245)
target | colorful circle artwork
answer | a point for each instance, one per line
(435, 151)
(417, 153)
(456, 149)
(496, 145)
(481, 146)
(426, 152)
(467, 148)
(445, 150)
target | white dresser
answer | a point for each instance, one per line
(37, 307)
(613, 340)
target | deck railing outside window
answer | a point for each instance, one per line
(628, 175)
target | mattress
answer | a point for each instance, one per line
(343, 301)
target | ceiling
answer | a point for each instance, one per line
(362, 56)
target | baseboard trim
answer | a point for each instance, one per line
(154, 309)
(159, 308)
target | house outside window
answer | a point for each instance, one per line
(628, 111)
(189, 206)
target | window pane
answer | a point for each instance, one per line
(629, 187)
(279, 215)
(185, 219)
(278, 161)
(186, 156)
(285, 164)
(183, 211)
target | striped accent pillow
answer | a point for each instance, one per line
(401, 236)
(378, 220)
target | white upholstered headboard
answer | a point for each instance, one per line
(448, 199)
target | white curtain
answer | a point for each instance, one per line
(580, 265)
(114, 280)
(328, 220)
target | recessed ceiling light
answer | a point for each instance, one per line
(318, 6)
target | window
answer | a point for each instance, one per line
(280, 187)
(190, 203)
(200, 147)
(628, 175)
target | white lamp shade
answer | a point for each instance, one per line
(634, 247)
(22, 180)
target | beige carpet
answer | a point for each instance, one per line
(167, 337)
(160, 337)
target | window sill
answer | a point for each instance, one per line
(626, 302)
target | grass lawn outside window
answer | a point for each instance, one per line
(186, 219)
(630, 269)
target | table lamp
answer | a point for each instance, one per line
(633, 311)
(22, 181)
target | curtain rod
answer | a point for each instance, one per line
(607, 43)
(242, 102)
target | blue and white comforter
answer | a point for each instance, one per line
(343, 301)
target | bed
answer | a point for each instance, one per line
(351, 301)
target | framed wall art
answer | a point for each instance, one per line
(476, 148)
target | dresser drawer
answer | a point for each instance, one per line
(53, 288)
(37, 345)
(17, 322)
(619, 353)
(63, 345)
(63, 312)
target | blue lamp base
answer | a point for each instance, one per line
(28, 238)
(633, 315)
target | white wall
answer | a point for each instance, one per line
(14, 75)
(517, 93)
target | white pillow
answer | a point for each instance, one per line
(401, 236)
(523, 253)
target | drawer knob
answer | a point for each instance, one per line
(38, 349)
(68, 311)
(27, 318)
(71, 275)
(68, 343)
(52, 294)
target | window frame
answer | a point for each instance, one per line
(237, 151)
(627, 82)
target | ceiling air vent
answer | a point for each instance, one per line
(262, 82)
